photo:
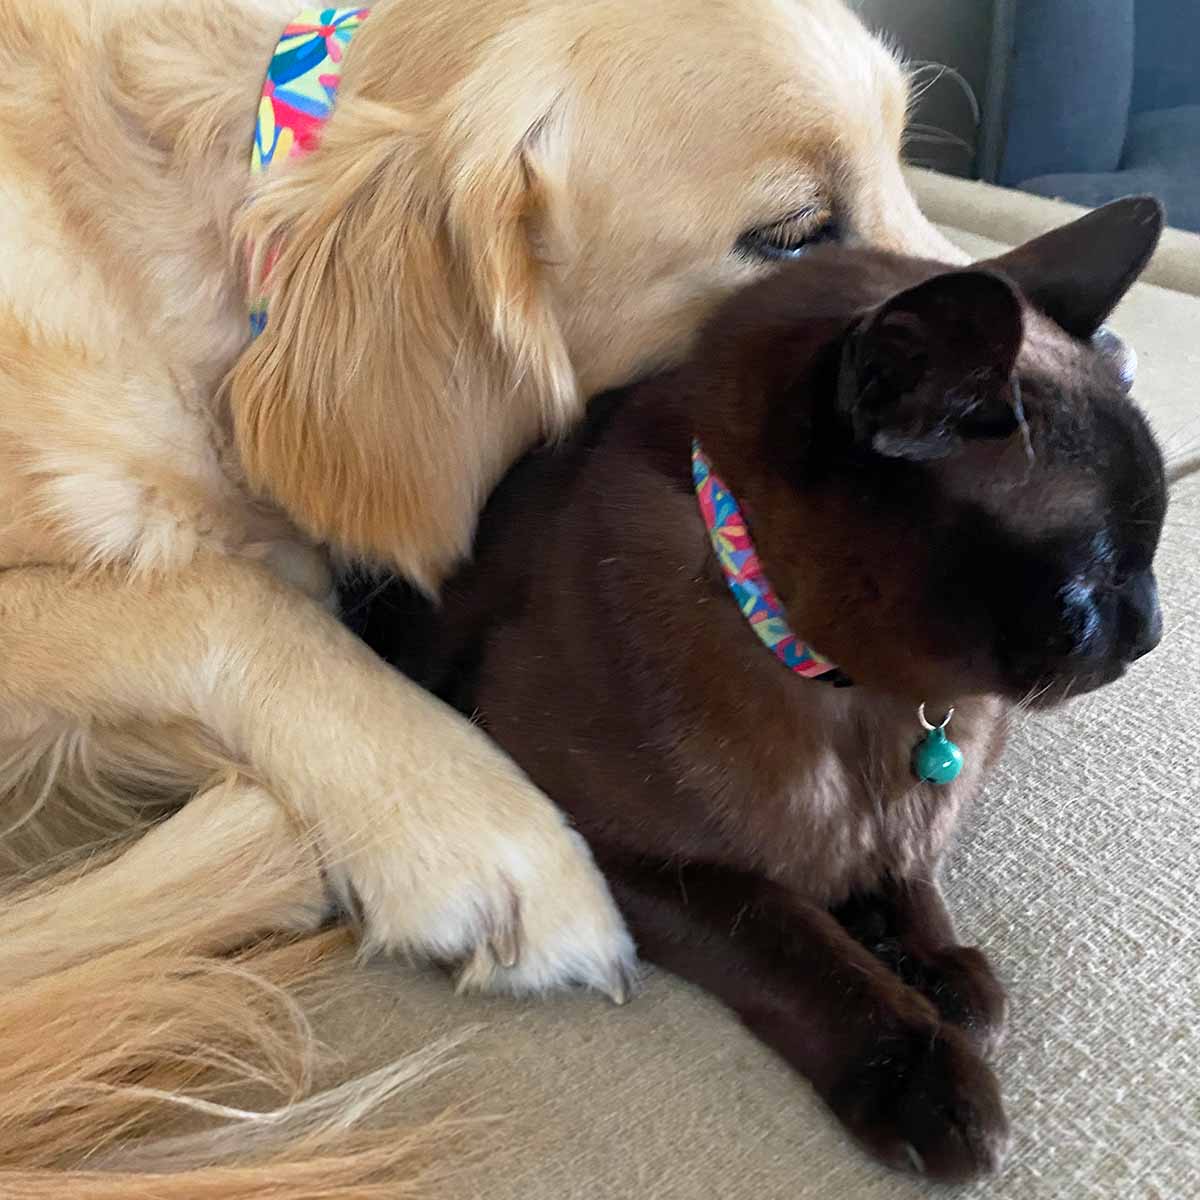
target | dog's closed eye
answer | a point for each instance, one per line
(790, 236)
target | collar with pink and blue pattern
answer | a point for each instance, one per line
(298, 95)
(748, 582)
(935, 759)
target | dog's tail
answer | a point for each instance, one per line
(133, 1029)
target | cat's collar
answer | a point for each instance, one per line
(935, 758)
(756, 598)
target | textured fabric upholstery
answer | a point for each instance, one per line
(1069, 87)
(1101, 100)
(1166, 69)
(1161, 158)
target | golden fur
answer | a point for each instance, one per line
(516, 203)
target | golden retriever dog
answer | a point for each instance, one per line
(516, 203)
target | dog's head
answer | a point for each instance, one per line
(518, 204)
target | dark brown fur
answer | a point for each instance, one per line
(939, 482)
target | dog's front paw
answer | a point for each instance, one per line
(567, 930)
(925, 1102)
(488, 878)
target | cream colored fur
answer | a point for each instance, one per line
(516, 203)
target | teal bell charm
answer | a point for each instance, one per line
(936, 759)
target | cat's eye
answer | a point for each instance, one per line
(1130, 566)
(1118, 567)
(790, 237)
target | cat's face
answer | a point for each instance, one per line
(1061, 557)
(1041, 577)
(974, 503)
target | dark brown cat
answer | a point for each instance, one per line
(957, 504)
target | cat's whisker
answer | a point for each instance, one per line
(1169, 635)
(1184, 450)
(1170, 440)
(1181, 450)
(1024, 706)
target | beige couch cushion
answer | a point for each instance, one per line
(1079, 871)
(1011, 217)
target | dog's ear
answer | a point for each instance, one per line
(933, 365)
(410, 352)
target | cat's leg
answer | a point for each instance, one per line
(909, 1087)
(907, 926)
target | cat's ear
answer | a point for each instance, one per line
(1079, 273)
(933, 365)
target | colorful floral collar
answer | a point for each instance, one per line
(735, 551)
(297, 97)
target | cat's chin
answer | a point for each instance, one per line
(1054, 691)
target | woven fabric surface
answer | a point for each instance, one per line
(984, 210)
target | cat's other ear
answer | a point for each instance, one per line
(1079, 273)
(933, 365)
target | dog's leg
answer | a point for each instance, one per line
(911, 1089)
(422, 826)
(907, 926)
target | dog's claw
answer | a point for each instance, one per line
(622, 984)
(505, 941)
(506, 945)
(472, 975)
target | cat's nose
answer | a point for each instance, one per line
(1141, 620)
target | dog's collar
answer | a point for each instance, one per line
(756, 598)
(297, 97)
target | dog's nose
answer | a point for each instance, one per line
(1140, 616)
(1119, 353)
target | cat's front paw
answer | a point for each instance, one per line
(924, 1102)
(960, 982)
